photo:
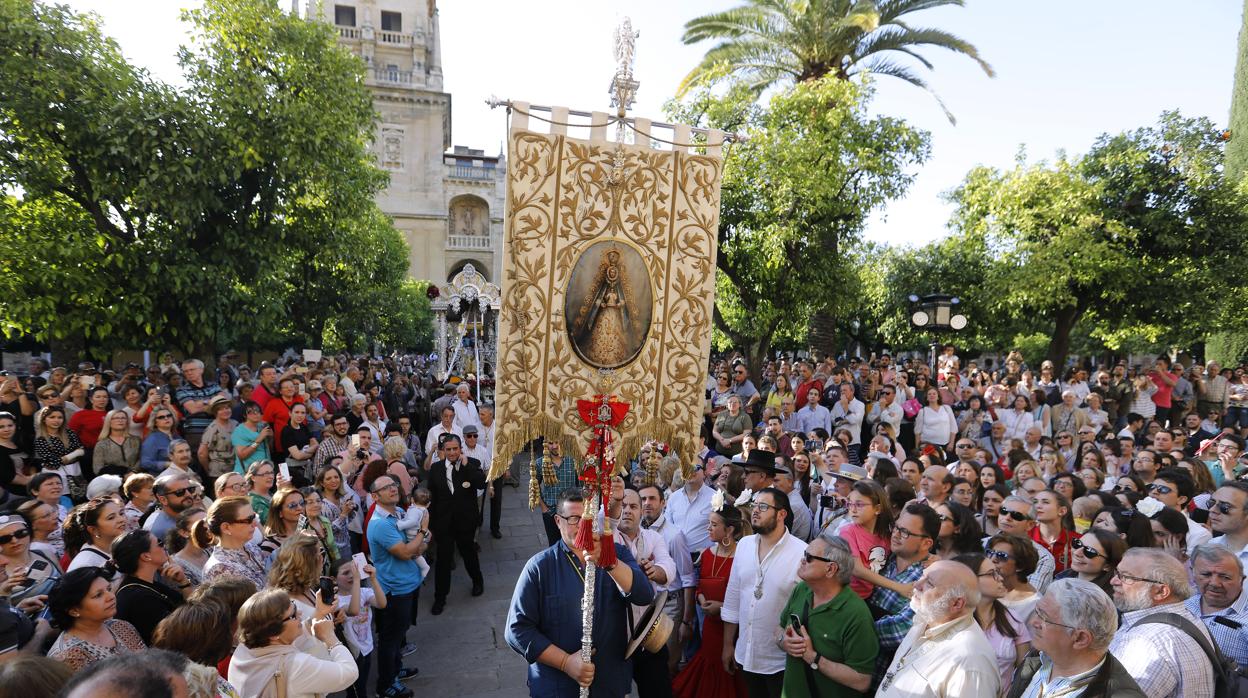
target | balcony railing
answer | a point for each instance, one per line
(398, 38)
(392, 76)
(468, 242)
(349, 32)
(470, 172)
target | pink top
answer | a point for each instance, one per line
(1006, 648)
(871, 549)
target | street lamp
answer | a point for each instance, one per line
(936, 312)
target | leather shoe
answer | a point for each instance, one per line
(496, 533)
(438, 607)
(478, 589)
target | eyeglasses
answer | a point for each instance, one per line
(994, 574)
(263, 473)
(379, 488)
(810, 557)
(237, 487)
(1088, 551)
(858, 505)
(164, 416)
(247, 521)
(1160, 489)
(998, 555)
(1016, 515)
(294, 613)
(1131, 577)
(763, 506)
(572, 520)
(16, 535)
(905, 533)
(1046, 621)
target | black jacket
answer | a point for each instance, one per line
(1112, 681)
(456, 510)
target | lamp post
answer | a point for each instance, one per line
(936, 312)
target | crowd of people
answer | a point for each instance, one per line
(860, 527)
(167, 531)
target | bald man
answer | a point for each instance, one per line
(945, 654)
(935, 484)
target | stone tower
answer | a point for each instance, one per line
(447, 202)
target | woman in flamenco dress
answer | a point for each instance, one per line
(704, 675)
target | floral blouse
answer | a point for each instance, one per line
(79, 653)
(246, 562)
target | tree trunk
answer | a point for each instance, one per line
(1059, 345)
(821, 333)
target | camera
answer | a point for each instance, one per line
(361, 454)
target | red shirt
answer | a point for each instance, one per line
(1060, 550)
(88, 424)
(261, 396)
(803, 391)
(277, 415)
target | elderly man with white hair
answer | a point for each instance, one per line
(1166, 660)
(1221, 602)
(945, 654)
(1071, 628)
(465, 409)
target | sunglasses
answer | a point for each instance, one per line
(249, 520)
(19, 534)
(997, 555)
(164, 416)
(1160, 489)
(179, 493)
(1088, 551)
(294, 505)
(810, 557)
(1016, 515)
(1223, 508)
(1119, 489)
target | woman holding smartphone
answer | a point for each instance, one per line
(37, 566)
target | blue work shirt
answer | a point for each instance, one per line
(546, 610)
(395, 576)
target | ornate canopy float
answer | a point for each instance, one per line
(465, 314)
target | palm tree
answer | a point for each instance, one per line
(765, 42)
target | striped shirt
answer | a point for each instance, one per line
(1164, 660)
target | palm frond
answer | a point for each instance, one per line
(740, 57)
(891, 38)
(892, 10)
(884, 66)
(738, 21)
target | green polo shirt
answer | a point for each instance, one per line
(841, 630)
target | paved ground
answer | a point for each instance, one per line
(462, 652)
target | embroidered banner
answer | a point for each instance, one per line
(608, 272)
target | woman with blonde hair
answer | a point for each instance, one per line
(154, 455)
(117, 451)
(58, 449)
(277, 655)
(297, 569)
(393, 451)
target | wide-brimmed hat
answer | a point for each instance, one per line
(651, 630)
(758, 459)
(850, 471)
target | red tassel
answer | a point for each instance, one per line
(606, 553)
(585, 534)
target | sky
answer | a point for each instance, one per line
(1067, 71)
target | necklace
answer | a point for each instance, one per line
(576, 568)
(763, 568)
(715, 558)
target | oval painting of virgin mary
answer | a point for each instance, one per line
(608, 304)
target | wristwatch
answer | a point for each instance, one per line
(814, 663)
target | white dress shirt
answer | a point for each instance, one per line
(891, 415)
(465, 414)
(852, 419)
(692, 515)
(758, 619)
(649, 545)
(431, 440)
(678, 548)
(950, 660)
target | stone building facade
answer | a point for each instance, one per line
(447, 202)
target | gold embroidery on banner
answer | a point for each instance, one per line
(564, 196)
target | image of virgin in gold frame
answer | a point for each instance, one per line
(609, 304)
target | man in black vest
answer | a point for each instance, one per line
(453, 514)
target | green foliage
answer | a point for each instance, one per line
(1237, 149)
(237, 209)
(796, 195)
(766, 42)
(1228, 348)
(1133, 240)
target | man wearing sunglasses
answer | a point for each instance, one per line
(1228, 517)
(1017, 518)
(1162, 658)
(173, 496)
(1175, 488)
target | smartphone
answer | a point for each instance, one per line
(359, 561)
(794, 622)
(86, 382)
(329, 591)
(37, 566)
(355, 441)
(813, 445)
(285, 469)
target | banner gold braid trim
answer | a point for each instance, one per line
(659, 210)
